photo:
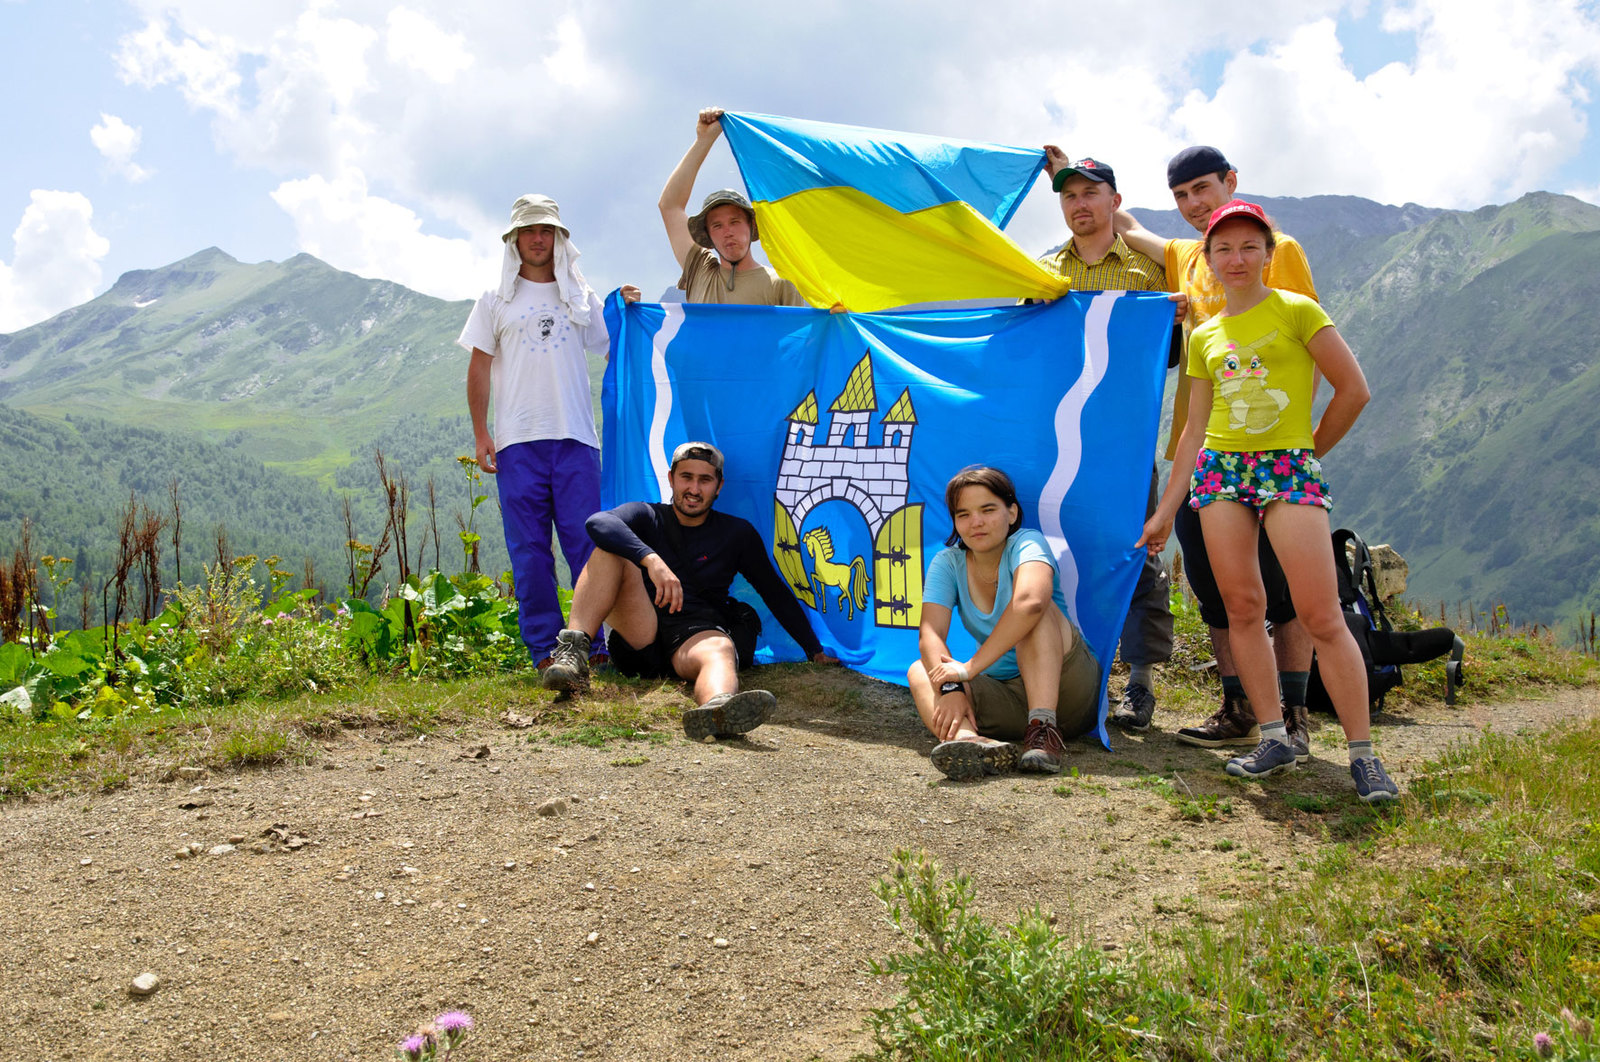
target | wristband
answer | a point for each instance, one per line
(949, 687)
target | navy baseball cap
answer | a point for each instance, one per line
(1194, 162)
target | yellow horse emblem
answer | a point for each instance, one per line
(850, 579)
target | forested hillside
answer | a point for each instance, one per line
(265, 390)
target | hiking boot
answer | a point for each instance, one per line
(1232, 724)
(1267, 759)
(569, 664)
(1373, 783)
(1135, 710)
(966, 759)
(728, 715)
(1042, 748)
(1297, 717)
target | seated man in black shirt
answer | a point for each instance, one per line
(659, 575)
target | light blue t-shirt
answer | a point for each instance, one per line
(946, 584)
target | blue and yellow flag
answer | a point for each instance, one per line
(872, 219)
(841, 430)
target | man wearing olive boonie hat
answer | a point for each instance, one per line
(725, 225)
(1202, 180)
(528, 337)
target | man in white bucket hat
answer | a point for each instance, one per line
(726, 225)
(528, 337)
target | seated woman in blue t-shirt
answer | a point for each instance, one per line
(1033, 678)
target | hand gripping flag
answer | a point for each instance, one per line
(841, 430)
(872, 219)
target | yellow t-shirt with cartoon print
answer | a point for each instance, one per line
(1260, 373)
(1188, 272)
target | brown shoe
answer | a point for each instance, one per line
(1042, 748)
(1297, 717)
(1232, 724)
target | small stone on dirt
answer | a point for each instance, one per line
(475, 752)
(236, 838)
(719, 943)
(221, 850)
(552, 807)
(191, 772)
(144, 984)
(196, 802)
(592, 938)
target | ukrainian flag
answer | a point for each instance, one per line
(871, 219)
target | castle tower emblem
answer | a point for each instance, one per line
(873, 479)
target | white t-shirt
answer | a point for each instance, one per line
(539, 379)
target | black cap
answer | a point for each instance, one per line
(1098, 172)
(1194, 162)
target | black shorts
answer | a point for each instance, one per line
(1197, 569)
(655, 659)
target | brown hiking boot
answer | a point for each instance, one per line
(1232, 724)
(966, 759)
(1297, 717)
(728, 715)
(1042, 748)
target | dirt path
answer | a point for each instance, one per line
(710, 901)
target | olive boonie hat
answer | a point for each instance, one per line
(697, 451)
(534, 210)
(725, 197)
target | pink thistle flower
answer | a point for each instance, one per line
(453, 1021)
(1543, 1045)
(411, 1048)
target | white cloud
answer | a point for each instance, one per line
(417, 42)
(202, 65)
(569, 64)
(1492, 104)
(56, 261)
(342, 223)
(118, 141)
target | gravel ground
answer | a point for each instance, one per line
(711, 900)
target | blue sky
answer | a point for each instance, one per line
(390, 138)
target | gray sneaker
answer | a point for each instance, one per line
(728, 715)
(1232, 724)
(1265, 760)
(964, 760)
(1297, 717)
(1136, 709)
(569, 664)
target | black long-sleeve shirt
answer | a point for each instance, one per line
(705, 558)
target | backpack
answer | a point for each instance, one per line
(1383, 649)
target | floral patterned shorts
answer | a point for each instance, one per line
(1257, 477)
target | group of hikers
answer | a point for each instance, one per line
(1254, 344)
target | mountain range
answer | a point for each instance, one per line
(1476, 329)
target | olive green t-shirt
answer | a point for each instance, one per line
(703, 280)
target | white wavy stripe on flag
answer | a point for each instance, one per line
(1069, 440)
(671, 322)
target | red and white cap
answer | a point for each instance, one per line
(1234, 208)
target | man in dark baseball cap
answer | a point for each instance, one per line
(1202, 181)
(713, 247)
(659, 577)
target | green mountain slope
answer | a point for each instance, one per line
(305, 359)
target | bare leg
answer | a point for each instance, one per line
(926, 698)
(1301, 539)
(708, 660)
(1039, 656)
(1222, 651)
(1291, 644)
(611, 590)
(1230, 529)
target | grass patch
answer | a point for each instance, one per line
(1311, 803)
(1456, 929)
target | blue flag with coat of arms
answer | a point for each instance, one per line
(840, 432)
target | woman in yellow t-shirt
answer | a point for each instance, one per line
(1255, 468)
